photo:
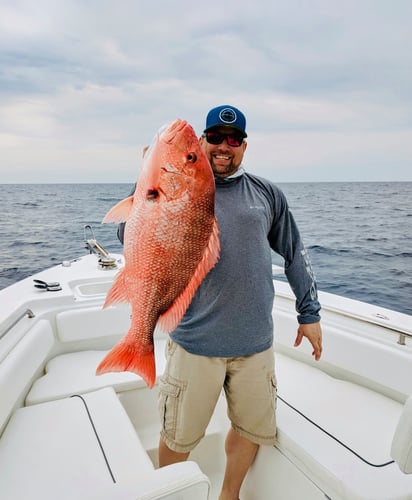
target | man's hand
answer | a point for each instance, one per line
(313, 333)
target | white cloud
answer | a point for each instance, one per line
(329, 156)
(325, 85)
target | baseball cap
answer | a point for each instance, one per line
(228, 116)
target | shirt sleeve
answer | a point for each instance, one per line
(285, 239)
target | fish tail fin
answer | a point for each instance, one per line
(126, 357)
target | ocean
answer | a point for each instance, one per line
(359, 235)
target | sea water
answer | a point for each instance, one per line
(359, 235)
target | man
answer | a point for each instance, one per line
(225, 338)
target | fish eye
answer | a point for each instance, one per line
(191, 157)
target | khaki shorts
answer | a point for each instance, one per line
(190, 388)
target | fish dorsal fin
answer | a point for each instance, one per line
(169, 320)
(120, 212)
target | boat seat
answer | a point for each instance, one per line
(401, 450)
(312, 407)
(21, 367)
(85, 447)
(75, 373)
(84, 324)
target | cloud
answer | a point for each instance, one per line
(331, 156)
(325, 85)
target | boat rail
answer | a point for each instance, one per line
(403, 333)
(377, 319)
(402, 338)
(28, 312)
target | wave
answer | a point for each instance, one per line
(21, 243)
(110, 200)
(8, 270)
(361, 252)
(28, 204)
(329, 250)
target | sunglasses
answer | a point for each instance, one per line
(234, 140)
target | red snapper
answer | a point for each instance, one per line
(171, 242)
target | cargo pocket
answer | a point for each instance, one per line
(273, 389)
(170, 391)
(170, 348)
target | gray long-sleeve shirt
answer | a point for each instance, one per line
(231, 312)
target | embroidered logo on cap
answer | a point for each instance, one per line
(228, 115)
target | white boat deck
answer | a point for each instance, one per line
(356, 394)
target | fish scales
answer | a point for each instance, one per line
(170, 243)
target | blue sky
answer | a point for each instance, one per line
(326, 85)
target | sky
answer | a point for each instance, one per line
(326, 85)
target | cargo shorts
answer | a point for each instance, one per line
(190, 388)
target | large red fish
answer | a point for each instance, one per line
(170, 243)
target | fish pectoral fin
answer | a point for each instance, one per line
(126, 357)
(169, 320)
(118, 291)
(120, 212)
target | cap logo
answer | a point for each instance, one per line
(228, 115)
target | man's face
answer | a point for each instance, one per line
(224, 159)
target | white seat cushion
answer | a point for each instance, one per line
(92, 322)
(21, 365)
(360, 418)
(75, 372)
(52, 448)
(401, 450)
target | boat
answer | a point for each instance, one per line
(344, 423)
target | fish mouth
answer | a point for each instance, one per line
(167, 133)
(170, 131)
